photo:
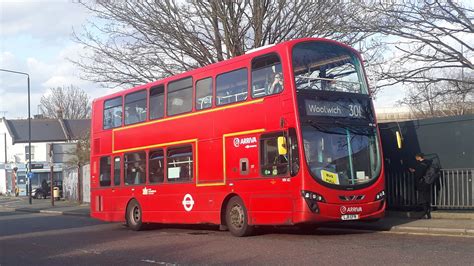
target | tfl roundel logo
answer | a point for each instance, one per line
(236, 142)
(188, 202)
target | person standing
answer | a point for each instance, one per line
(424, 189)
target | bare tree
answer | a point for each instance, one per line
(81, 152)
(66, 102)
(434, 36)
(148, 40)
(442, 98)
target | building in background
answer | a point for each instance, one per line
(45, 134)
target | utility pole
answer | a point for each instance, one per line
(29, 130)
(51, 163)
(79, 183)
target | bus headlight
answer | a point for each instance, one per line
(380, 195)
(312, 200)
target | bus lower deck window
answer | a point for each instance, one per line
(180, 163)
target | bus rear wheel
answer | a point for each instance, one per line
(237, 218)
(134, 216)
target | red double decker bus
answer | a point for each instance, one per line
(283, 135)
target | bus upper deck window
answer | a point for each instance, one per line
(112, 113)
(135, 107)
(267, 77)
(204, 93)
(180, 96)
(157, 102)
(231, 87)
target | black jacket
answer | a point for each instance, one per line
(420, 172)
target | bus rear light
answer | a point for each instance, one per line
(312, 200)
(380, 195)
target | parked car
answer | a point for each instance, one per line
(40, 192)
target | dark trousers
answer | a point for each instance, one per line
(424, 198)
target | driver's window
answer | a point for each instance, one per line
(271, 162)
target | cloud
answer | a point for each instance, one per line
(44, 74)
(46, 20)
(35, 37)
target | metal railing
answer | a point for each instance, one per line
(454, 190)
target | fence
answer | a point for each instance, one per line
(70, 181)
(453, 191)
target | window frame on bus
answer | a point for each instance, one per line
(155, 87)
(125, 163)
(191, 100)
(267, 136)
(193, 173)
(101, 184)
(126, 115)
(113, 174)
(274, 53)
(228, 72)
(150, 152)
(211, 95)
(113, 115)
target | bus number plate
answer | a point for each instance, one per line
(347, 217)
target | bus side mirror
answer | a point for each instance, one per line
(399, 139)
(282, 146)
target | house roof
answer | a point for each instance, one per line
(77, 128)
(47, 130)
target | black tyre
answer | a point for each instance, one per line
(237, 218)
(134, 216)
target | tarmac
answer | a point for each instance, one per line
(446, 223)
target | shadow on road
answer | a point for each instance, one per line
(14, 223)
(206, 229)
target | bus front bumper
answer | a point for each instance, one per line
(328, 212)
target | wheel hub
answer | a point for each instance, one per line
(237, 216)
(136, 214)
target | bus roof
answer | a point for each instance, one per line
(250, 54)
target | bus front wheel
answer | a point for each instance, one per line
(237, 218)
(134, 216)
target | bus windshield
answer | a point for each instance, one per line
(341, 155)
(327, 67)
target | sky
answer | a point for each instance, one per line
(35, 37)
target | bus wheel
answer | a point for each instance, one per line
(134, 216)
(237, 218)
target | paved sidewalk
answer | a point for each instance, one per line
(443, 222)
(60, 207)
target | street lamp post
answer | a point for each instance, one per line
(29, 130)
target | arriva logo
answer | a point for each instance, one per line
(345, 209)
(244, 141)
